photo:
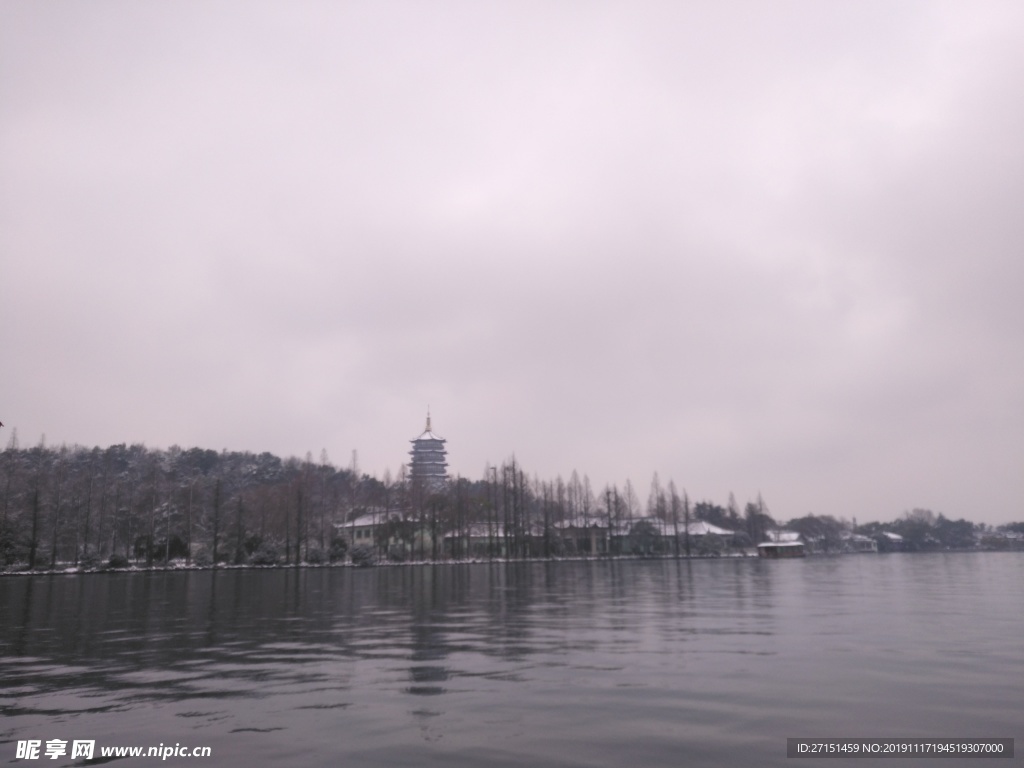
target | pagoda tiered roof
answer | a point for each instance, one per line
(428, 456)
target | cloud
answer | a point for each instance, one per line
(754, 248)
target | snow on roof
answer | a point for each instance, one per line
(580, 522)
(663, 527)
(782, 537)
(703, 528)
(857, 537)
(365, 520)
(427, 435)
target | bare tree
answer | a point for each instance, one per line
(55, 517)
(673, 496)
(239, 534)
(216, 520)
(10, 458)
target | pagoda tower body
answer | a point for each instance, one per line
(428, 468)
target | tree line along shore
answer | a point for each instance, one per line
(132, 506)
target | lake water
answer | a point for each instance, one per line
(622, 663)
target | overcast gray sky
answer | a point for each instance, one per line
(752, 246)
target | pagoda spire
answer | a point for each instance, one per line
(428, 418)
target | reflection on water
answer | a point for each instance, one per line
(711, 662)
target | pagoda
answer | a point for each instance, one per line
(428, 467)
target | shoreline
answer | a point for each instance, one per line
(79, 571)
